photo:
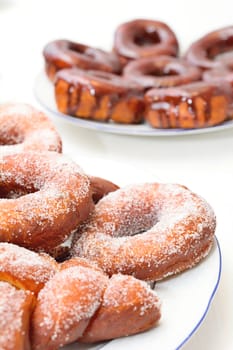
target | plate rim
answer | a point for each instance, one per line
(178, 343)
(210, 298)
(130, 130)
(194, 328)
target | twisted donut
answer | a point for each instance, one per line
(22, 127)
(195, 105)
(74, 298)
(44, 197)
(143, 38)
(150, 231)
(80, 302)
(61, 54)
(16, 307)
(99, 96)
(207, 51)
(161, 71)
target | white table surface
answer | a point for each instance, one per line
(202, 162)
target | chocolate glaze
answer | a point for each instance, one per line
(205, 52)
(161, 71)
(61, 54)
(98, 95)
(143, 38)
(193, 105)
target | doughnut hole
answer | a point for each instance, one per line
(12, 137)
(13, 190)
(223, 46)
(146, 36)
(161, 71)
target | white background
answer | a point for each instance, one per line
(202, 162)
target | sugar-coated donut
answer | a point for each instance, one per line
(16, 307)
(206, 52)
(150, 231)
(44, 197)
(23, 128)
(129, 305)
(190, 106)
(161, 71)
(63, 303)
(25, 269)
(65, 306)
(98, 96)
(61, 54)
(143, 38)
(80, 296)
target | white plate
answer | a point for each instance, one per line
(185, 298)
(44, 93)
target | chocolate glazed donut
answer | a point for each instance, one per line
(143, 38)
(211, 51)
(61, 54)
(161, 71)
(222, 76)
(195, 105)
(98, 96)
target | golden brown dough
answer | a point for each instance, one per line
(15, 310)
(128, 305)
(25, 269)
(65, 306)
(80, 296)
(190, 106)
(98, 96)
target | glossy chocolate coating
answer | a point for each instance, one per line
(143, 38)
(61, 54)
(99, 96)
(195, 105)
(206, 52)
(161, 71)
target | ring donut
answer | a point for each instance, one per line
(161, 71)
(61, 54)
(195, 105)
(149, 231)
(207, 52)
(23, 128)
(44, 197)
(98, 96)
(223, 77)
(143, 38)
(219, 75)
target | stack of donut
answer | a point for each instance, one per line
(76, 250)
(143, 79)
